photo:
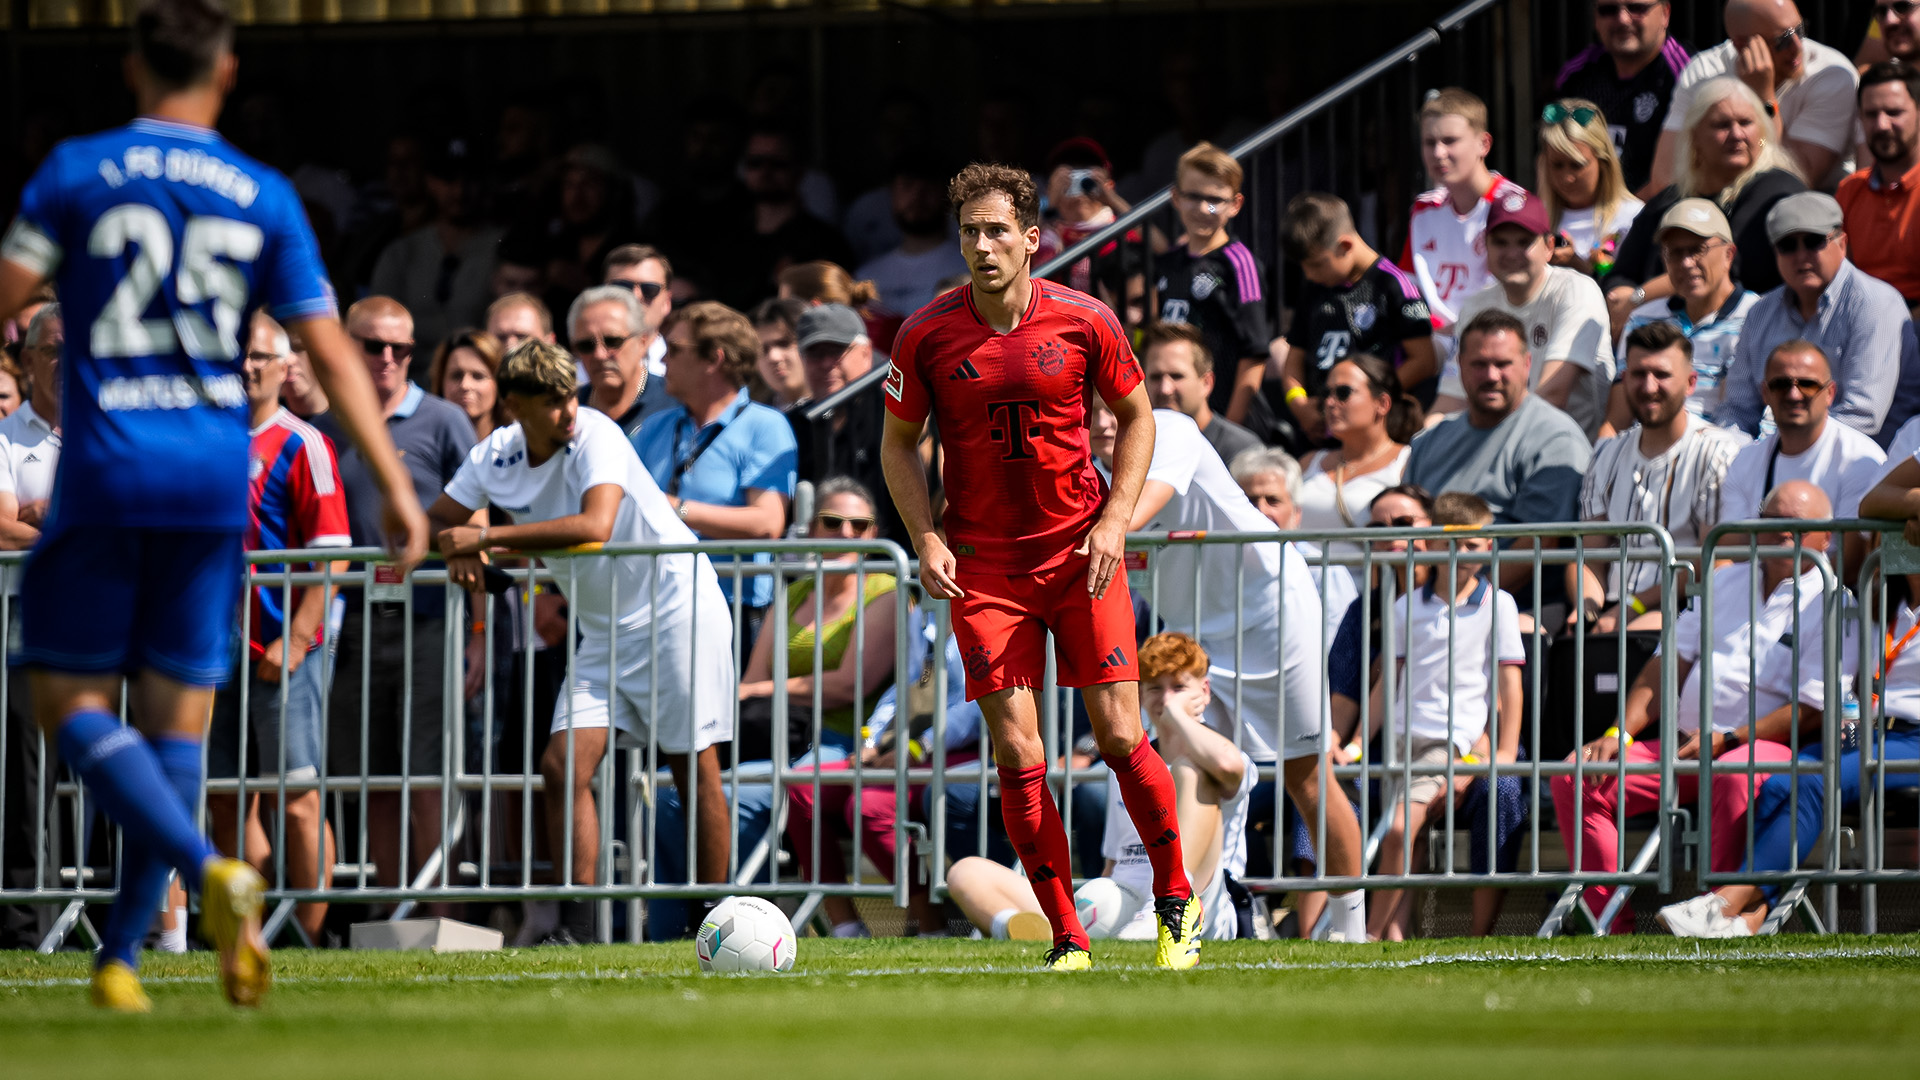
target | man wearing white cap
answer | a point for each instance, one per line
(1708, 305)
(1859, 323)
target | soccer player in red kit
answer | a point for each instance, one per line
(1005, 364)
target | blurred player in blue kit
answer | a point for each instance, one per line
(160, 239)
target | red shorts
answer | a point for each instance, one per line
(1002, 622)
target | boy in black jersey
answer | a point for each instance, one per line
(1353, 301)
(1214, 283)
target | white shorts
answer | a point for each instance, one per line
(694, 682)
(1259, 688)
(1135, 920)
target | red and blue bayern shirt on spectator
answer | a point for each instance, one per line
(294, 500)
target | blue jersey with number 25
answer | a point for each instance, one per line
(161, 239)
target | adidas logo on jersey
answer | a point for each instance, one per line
(1114, 659)
(966, 370)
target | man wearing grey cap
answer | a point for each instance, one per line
(1859, 323)
(1708, 306)
(835, 352)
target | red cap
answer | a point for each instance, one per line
(1522, 208)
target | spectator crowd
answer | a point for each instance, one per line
(1697, 310)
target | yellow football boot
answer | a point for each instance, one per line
(1067, 956)
(116, 987)
(1179, 944)
(230, 898)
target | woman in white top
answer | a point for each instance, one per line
(1373, 420)
(1588, 204)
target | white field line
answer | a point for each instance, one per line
(1674, 956)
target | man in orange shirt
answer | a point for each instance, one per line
(1881, 203)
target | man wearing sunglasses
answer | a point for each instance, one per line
(643, 269)
(1807, 87)
(1809, 445)
(1630, 74)
(608, 331)
(1894, 34)
(1860, 323)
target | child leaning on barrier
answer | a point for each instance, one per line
(1446, 686)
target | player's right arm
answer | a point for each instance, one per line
(349, 390)
(907, 483)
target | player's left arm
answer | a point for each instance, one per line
(449, 514)
(599, 507)
(1106, 544)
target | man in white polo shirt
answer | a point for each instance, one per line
(1188, 490)
(1808, 445)
(657, 623)
(29, 449)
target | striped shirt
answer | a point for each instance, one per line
(1714, 339)
(294, 501)
(1678, 490)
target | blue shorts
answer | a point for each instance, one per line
(96, 600)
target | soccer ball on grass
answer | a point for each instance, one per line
(745, 933)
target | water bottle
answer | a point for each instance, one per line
(1850, 722)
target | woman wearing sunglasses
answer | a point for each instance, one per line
(1588, 204)
(1730, 152)
(1373, 421)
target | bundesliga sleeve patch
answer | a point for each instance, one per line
(896, 381)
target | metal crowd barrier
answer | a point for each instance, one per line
(486, 802)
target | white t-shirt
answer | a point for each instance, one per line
(908, 282)
(1320, 500)
(29, 450)
(1679, 490)
(1566, 320)
(1841, 462)
(648, 590)
(1206, 499)
(1581, 228)
(1773, 642)
(1447, 252)
(1425, 693)
(1902, 690)
(1818, 107)
(1131, 867)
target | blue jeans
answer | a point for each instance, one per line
(1777, 817)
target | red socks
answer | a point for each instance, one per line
(1146, 787)
(1033, 824)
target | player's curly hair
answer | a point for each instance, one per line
(981, 178)
(537, 369)
(1170, 654)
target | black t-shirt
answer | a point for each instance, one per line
(1220, 294)
(1635, 108)
(1376, 315)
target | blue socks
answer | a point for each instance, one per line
(149, 790)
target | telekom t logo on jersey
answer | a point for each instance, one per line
(1451, 279)
(1012, 426)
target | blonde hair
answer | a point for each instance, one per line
(1770, 155)
(537, 369)
(1213, 163)
(1453, 101)
(1574, 140)
(823, 282)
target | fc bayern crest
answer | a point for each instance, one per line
(1203, 285)
(1643, 107)
(1539, 335)
(1363, 317)
(1050, 358)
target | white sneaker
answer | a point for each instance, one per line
(1702, 917)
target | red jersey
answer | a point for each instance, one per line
(294, 501)
(1022, 490)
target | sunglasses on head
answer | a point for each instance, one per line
(1612, 11)
(1899, 9)
(836, 521)
(1798, 242)
(649, 290)
(1806, 386)
(374, 347)
(1554, 113)
(1404, 521)
(584, 346)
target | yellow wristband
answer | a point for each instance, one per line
(1298, 393)
(915, 752)
(1636, 605)
(1616, 733)
(1355, 750)
(1470, 759)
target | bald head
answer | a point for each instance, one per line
(383, 328)
(1770, 17)
(365, 311)
(1799, 500)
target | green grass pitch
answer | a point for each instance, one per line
(1651, 1007)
